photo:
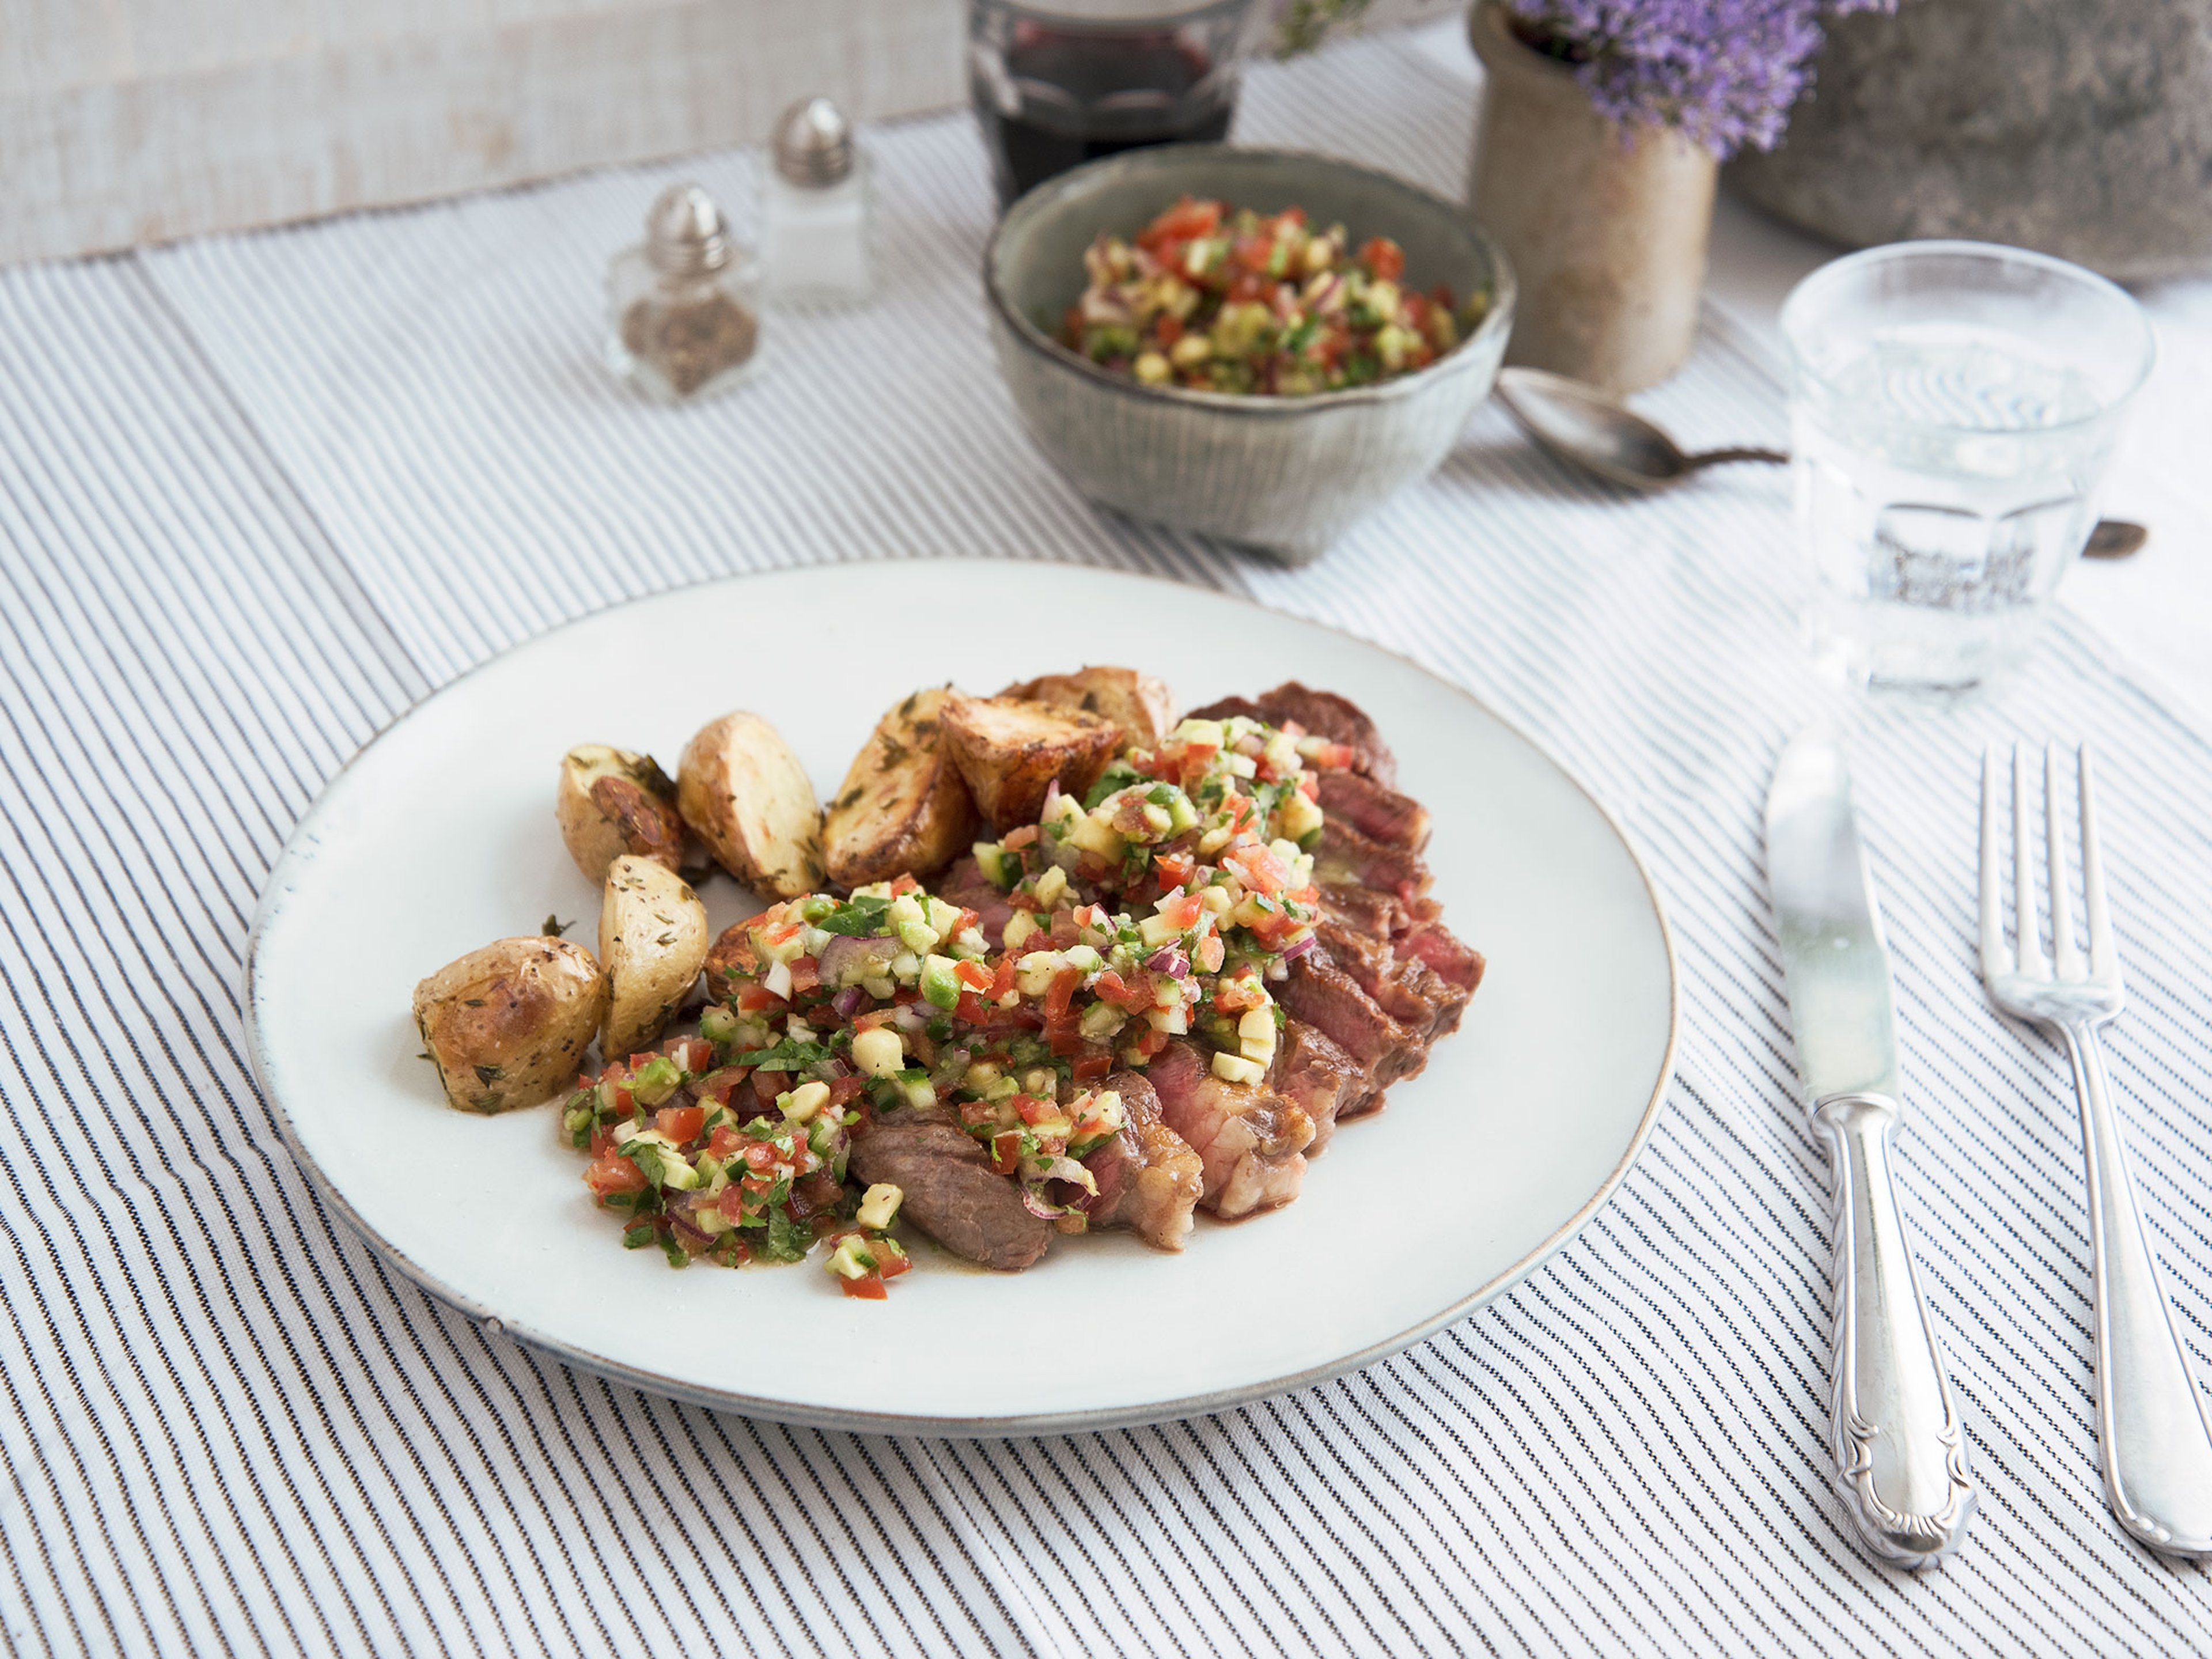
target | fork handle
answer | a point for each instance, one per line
(1900, 1447)
(2151, 1424)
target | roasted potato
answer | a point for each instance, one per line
(1010, 751)
(610, 802)
(1141, 706)
(507, 1025)
(653, 937)
(904, 808)
(746, 796)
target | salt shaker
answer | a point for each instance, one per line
(815, 209)
(681, 322)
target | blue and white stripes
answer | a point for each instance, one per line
(258, 495)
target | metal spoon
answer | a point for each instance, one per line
(1592, 429)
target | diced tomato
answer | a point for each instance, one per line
(1332, 756)
(973, 975)
(1234, 996)
(1017, 839)
(1249, 285)
(1135, 993)
(1209, 954)
(1383, 256)
(603, 1142)
(806, 975)
(1091, 1064)
(965, 920)
(893, 1264)
(845, 1089)
(766, 1085)
(969, 1010)
(1059, 1025)
(1034, 1111)
(1002, 982)
(760, 1157)
(681, 1124)
(1006, 1152)
(1151, 1042)
(612, 1175)
(1254, 253)
(1258, 868)
(1309, 786)
(724, 1142)
(1186, 219)
(781, 933)
(1168, 329)
(903, 883)
(752, 998)
(1182, 911)
(869, 1287)
(732, 1203)
(1306, 895)
(694, 1054)
(1289, 217)
(1174, 870)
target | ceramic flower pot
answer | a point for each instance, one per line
(1607, 228)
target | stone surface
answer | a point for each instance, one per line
(2082, 128)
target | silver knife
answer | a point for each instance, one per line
(1901, 1450)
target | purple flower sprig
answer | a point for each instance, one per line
(1724, 72)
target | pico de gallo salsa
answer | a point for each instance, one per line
(1223, 299)
(1159, 904)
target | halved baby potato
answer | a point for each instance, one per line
(610, 802)
(1010, 751)
(904, 808)
(1141, 705)
(653, 937)
(507, 1025)
(746, 796)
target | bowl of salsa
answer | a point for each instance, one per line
(1257, 345)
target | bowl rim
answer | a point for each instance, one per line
(1498, 320)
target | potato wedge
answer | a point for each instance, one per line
(653, 937)
(746, 796)
(1141, 706)
(610, 802)
(1010, 751)
(507, 1025)
(902, 807)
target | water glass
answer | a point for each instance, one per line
(1953, 410)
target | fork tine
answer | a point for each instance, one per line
(2026, 924)
(2104, 958)
(1996, 955)
(2065, 958)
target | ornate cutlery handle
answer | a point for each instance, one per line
(2150, 1417)
(1900, 1447)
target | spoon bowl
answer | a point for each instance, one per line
(1589, 429)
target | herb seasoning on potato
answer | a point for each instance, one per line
(653, 937)
(746, 796)
(904, 808)
(610, 802)
(507, 1025)
(1011, 752)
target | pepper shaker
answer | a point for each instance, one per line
(815, 209)
(681, 323)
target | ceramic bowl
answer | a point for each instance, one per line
(1284, 474)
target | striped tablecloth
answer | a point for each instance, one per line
(257, 495)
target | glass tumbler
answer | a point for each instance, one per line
(1059, 82)
(1952, 409)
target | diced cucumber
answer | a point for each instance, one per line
(940, 985)
(1084, 956)
(1001, 866)
(879, 1206)
(851, 1259)
(918, 936)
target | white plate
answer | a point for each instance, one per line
(439, 837)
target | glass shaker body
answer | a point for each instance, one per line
(681, 338)
(814, 244)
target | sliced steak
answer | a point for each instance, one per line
(1337, 718)
(964, 883)
(1322, 995)
(1404, 986)
(1363, 910)
(1449, 957)
(1379, 814)
(1347, 856)
(1149, 1179)
(1228, 708)
(951, 1193)
(1313, 1070)
(1250, 1141)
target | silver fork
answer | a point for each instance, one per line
(2151, 1422)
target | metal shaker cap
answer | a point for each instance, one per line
(686, 235)
(813, 143)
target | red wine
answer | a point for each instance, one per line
(1081, 97)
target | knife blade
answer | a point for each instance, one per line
(1900, 1445)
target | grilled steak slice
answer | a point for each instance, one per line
(951, 1193)
(1448, 955)
(1321, 994)
(1149, 1179)
(1311, 1069)
(1251, 1140)
(1337, 718)
(1377, 812)
(1227, 709)
(1404, 986)
(1363, 910)
(964, 883)
(1347, 856)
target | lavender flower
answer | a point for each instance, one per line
(1725, 72)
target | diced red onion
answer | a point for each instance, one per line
(1298, 950)
(1035, 1201)
(1051, 800)
(849, 1001)
(1170, 959)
